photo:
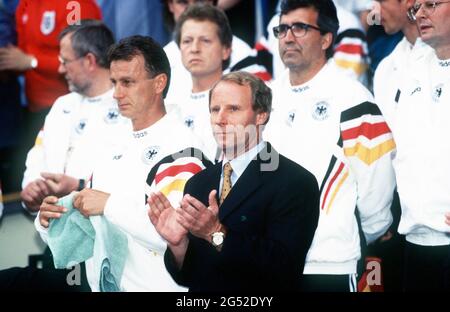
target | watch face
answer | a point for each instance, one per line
(217, 239)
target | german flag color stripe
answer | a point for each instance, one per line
(366, 108)
(333, 179)
(368, 130)
(175, 170)
(350, 49)
(370, 155)
(176, 185)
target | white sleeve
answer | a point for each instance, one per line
(35, 162)
(370, 157)
(129, 213)
(43, 232)
(51, 136)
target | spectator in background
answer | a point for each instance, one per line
(36, 55)
(359, 8)
(10, 101)
(137, 17)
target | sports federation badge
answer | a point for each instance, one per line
(321, 111)
(437, 92)
(48, 22)
(149, 154)
(112, 116)
(79, 128)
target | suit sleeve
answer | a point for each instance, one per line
(279, 254)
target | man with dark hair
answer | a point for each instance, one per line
(82, 125)
(157, 155)
(81, 128)
(349, 49)
(246, 223)
(328, 123)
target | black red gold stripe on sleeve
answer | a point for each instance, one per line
(365, 134)
(335, 177)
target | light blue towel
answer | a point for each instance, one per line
(73, 239)
(115, 245)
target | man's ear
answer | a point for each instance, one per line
(327, 41)
(261, 118)
(160, 83)
(91, 60)
(226, 53)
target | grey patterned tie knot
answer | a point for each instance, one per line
(226, 187)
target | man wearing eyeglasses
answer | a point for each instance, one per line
(422, 169)
(328, 123)
(81, 125)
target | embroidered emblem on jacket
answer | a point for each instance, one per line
(437, 92)
(189, 122)
(321, 111)
(81, 126)
(291, 117)
(149, 154)
(112, 116)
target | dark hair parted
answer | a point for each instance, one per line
(207, 12)
(261, 93)
(327, 19)
(156, 61)
(90, 36)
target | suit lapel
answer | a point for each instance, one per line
(212, 179)
(250, 180)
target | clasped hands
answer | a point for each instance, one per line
(191, 216)
(88, 202)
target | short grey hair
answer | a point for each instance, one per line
(90, 36)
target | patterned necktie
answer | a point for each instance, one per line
(226, 187)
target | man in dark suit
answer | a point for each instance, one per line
(247, 222)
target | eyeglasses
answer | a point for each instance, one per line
(428, 6)
(64, 62)
(298, 30)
